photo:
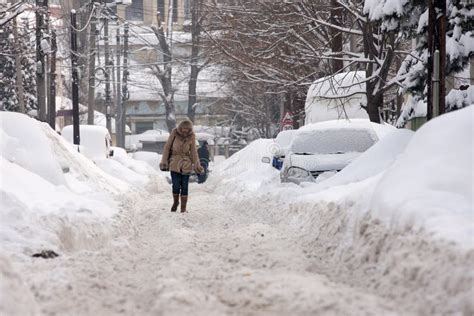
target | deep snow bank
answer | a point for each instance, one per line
(23, 143)
(83, 175)
(41, 207)
(51, 198)
(431, 185)
(55, 198)
(379, 223)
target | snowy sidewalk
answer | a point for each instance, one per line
(211, 261)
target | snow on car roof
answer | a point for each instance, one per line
(381, 130)
(93, 130)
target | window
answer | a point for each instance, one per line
(187, 10)
(175, 10)
(333, 141)
(141, 127)
(134, 12)
(161, 9)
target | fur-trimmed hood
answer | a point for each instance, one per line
(186, 123)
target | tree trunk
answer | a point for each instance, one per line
(374, 102)
(170, 116)
(336, 35)
(196, 38)
(164, 75)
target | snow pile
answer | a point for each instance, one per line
(283, 140)
(36, 214)
(408, 180)
(83, 175)
(135, 172)
(431, 185)
(51, 198)
(398, 220)
(23, 143)
(374, 161)
(245, 168)
(38, 211)
(153, 159)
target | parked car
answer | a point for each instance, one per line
(95, 141)
(282, 145)
(327, 147)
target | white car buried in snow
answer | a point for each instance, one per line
(95, 140)
(322, 149)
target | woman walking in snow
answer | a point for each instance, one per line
(180, 157)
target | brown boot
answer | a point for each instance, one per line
(175, 202)
(184, 201)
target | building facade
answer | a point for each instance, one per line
(145, 11)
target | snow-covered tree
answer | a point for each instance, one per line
(413, 75)
(290, 44)
(252, 107)
(24, 51)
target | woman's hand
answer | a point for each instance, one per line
(199, 169)
(163, 166)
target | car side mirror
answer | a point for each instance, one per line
(111, 153)
(266, 159)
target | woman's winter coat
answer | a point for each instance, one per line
(180, 152)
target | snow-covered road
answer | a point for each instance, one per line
(215, 260)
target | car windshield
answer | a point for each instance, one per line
(333, 141)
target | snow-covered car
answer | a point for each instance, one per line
(95, 141)
(324, 148)
(281, 147)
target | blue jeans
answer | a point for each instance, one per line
(180, 183)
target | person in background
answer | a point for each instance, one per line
(180, 157)
(203, 153)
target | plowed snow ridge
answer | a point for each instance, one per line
(247, 257)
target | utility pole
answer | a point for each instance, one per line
(442, 55)
(436, 43)
(91, 56)
(75, 79)
(52, 83)
(19, 74)
(122, 113)
(118, 100)
(41, 6)
(107, 75)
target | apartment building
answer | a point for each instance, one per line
(145, 11)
